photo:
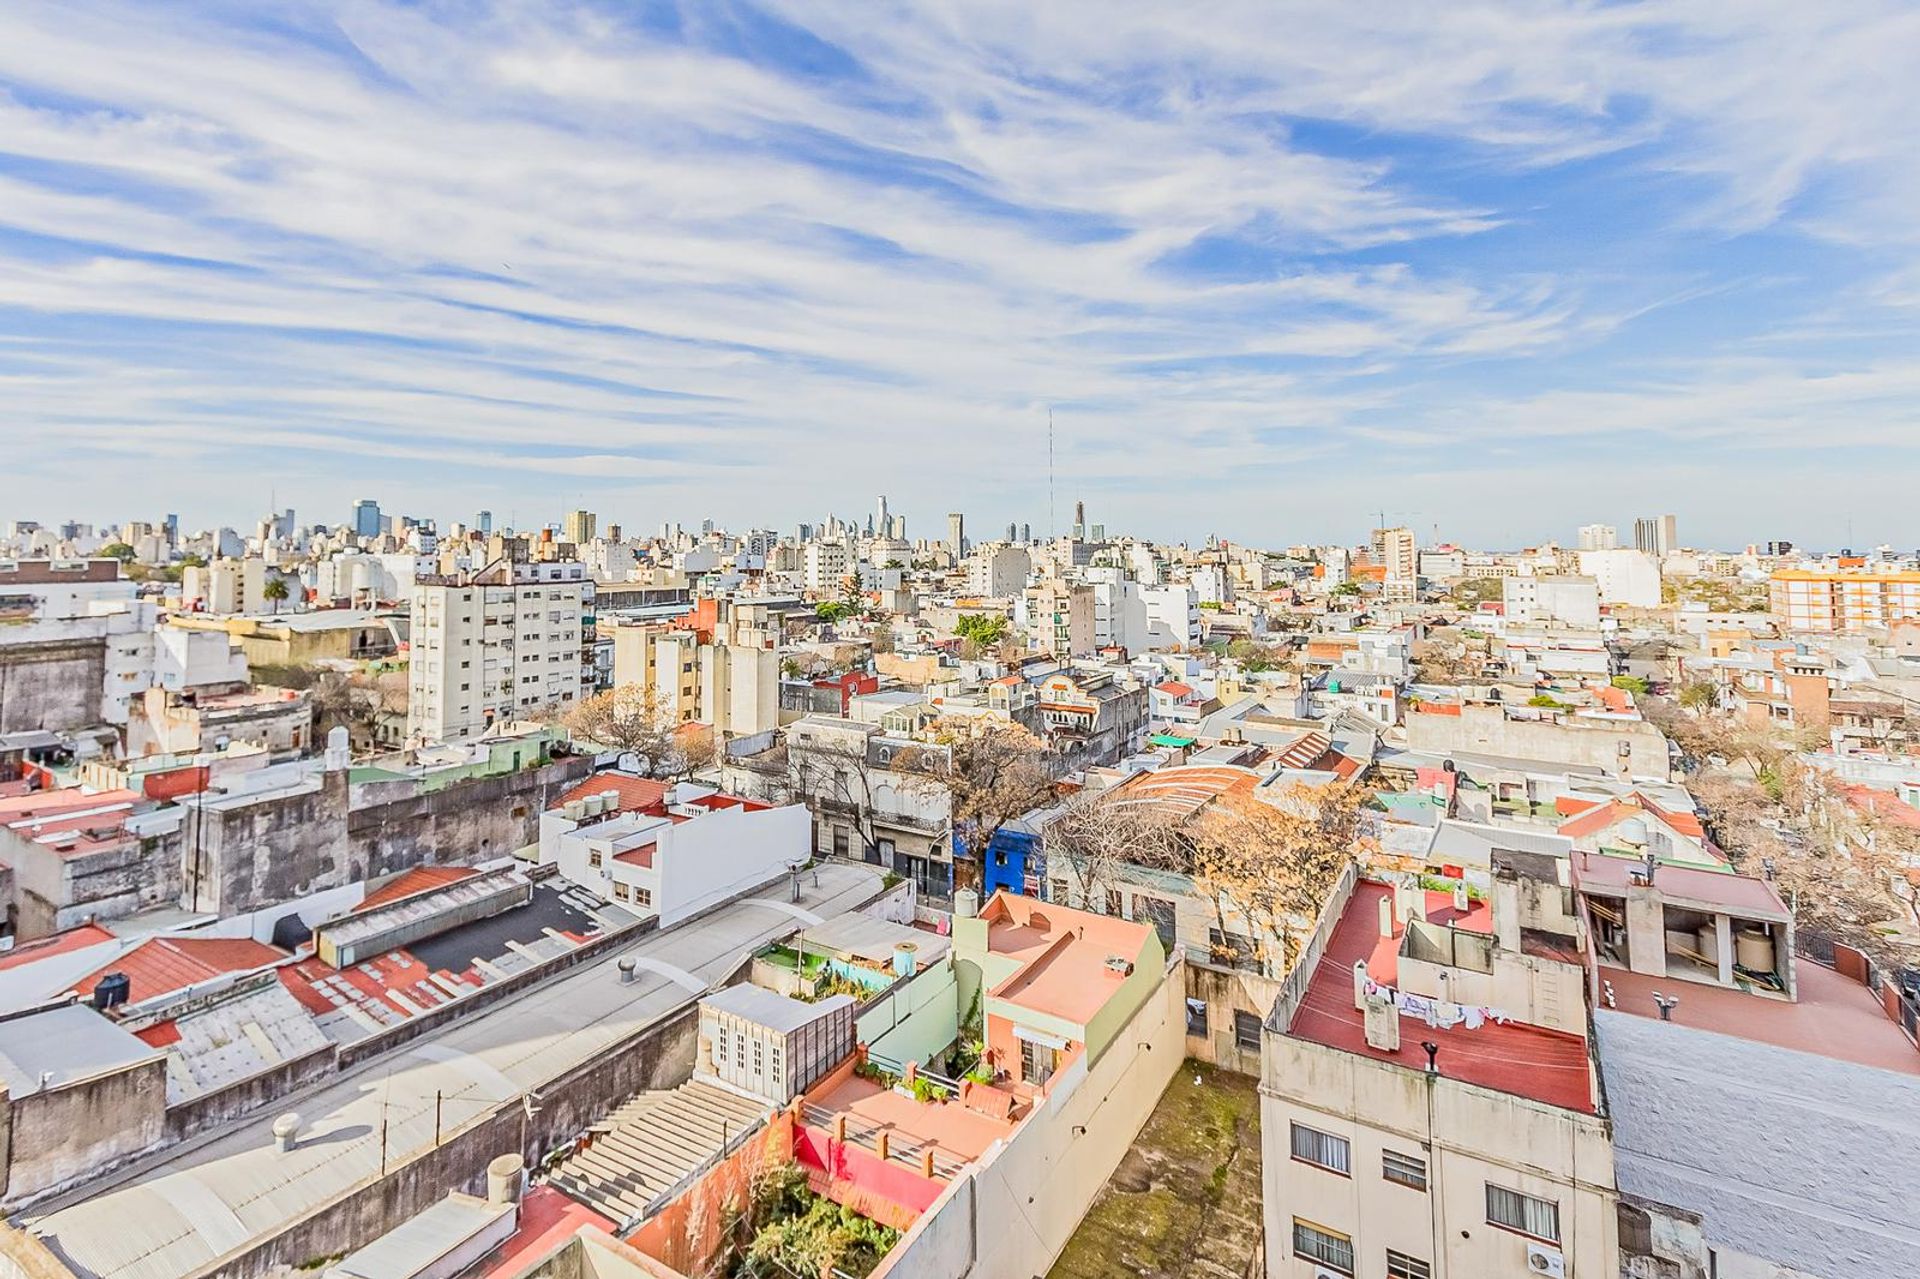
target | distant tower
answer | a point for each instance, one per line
(957, 533)
(484, 521)
(1079, 520)
(1026, 532)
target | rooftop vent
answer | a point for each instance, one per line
(1120, 965)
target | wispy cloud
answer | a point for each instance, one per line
(756, 260)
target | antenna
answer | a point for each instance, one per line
(1053, 523)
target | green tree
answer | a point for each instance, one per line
(1632, 683)
(119, 551)
(276, 591)
(831, 611)
(1699, 695)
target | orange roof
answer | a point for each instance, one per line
(1880, 803)
(1190, 786)
(59, 944)
(162, 964)
(641, 856)
(47, 804)
(420, 879)
(1174, 688)
(1062, 952)
(640, 794)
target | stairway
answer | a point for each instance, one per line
(651, 1143)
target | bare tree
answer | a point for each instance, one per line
(1095, 838)
(847, 780)
(994, 772)
(634, 721)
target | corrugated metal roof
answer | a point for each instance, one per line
(59, 1045)
(416, 1244)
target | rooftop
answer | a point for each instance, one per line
(1543, 1065)
(1063, 955)
(1834, 1017)
(56, 1046)
(161, 965)
(1717, 890)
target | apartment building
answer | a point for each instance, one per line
(1429, 1101)
(1844, 601)
(491, 646)
(718, 665)
(998, 572)
(1059, 617)
(825, 565)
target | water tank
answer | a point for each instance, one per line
(575, 810)
(1633, 831)
(966, 904)
(112, 990)
(905, 959)
(1753, 950)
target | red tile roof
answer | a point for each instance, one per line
(641, 794)
(641, 856)
(1173, 688)
(59, 944)
(50, 803)
(163, 964)
(420, 879)
(1527, 1061)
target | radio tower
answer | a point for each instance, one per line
(1053, 527)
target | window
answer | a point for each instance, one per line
(1404, 1169)
(642, 896)
(1401, 1266)
(1535, 1218)
(1246, 1030)
(620, 891)
(1197, 1017)
(1036, 1062)
(1335, 1252)
(593, 858)
(840, 841)
(1057, 891)
(759, 1061)
(1232, 950)
(1322, 1149)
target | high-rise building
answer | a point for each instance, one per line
(172, 526)
(882, 522)
(579, 527)
(1398, 551)
(366, 518)
(1079, 520)
(1599, 537)
(1656, 535)
(957, 533)
(492, 646)
(1026, 532)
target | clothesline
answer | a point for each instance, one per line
(1439, 1013)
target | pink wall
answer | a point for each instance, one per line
(885, 1190)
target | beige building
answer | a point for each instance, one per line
(225, 586)
(1843, 601)
(494, 646)
(1060, 617)
(1429, 1098)
(579, 527)
(719, 666)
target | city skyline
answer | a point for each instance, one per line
(716, 260)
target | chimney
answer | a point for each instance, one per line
(285, 1129)
(503, 1178)
(1360, 980)
(1386, 917)
(1383, 1023)
(1506, 910)
(1461, 902)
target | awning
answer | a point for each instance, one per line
(1040, 1037)
(1168, 739)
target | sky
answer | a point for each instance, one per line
(1495, 270)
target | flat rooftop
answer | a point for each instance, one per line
(1063, 954)
(1527, 1061)
(202, 1199)
(960, 1134)
(1835, 1017)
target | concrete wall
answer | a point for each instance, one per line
(660, 1056)
(52, 684)
(243, 1097)
(1015, 1210)
(917, 1021)
(61, 1136)
(1468, 1136)
(464, 823)
(1486, 730)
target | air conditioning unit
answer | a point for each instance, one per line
(1542, 1260)
(1321, 1272)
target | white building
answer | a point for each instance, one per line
(1172, 615)
(1551, 601)
(225, 586)
(493, 646)
(825, 565)
(693, 849)
(1599, 537)
(998, 572)
(1624, 576)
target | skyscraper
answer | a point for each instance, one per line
(957, 533)
(1599, 537)
(366, 518)
(579, 527)
(1656, 536)
(483, 521)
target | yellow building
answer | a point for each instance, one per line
(1844, 601)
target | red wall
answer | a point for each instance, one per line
(887, 1191)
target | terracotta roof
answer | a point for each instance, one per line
(420, 879)
(641, 856)
(1173, 688)
(1880, 803)
(641, 794)
(1527, 1061)
(162, 964)
(59, 944)
(46, 804)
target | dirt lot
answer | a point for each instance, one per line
(1185, 1202)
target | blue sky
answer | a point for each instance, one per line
(1496, 269)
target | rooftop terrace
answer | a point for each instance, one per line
(1543, 1065)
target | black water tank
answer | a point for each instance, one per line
(112, 990)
